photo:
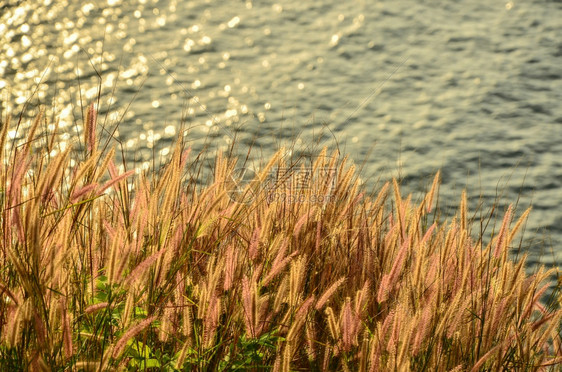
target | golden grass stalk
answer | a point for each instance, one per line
(129, 334)
(94, 261)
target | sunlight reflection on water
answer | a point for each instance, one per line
(475, 88)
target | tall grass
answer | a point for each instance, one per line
(103, 270)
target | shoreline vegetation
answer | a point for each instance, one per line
(103, 270)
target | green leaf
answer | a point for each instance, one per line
(152, 363)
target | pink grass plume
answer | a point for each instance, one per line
(90, 129)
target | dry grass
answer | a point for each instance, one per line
(173, 276)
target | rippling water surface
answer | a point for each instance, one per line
(472, 88)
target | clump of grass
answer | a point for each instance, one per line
(103, 270)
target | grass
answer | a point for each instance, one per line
(102, 270)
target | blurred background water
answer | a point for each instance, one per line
(408, 87)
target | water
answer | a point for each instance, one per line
(471, 88)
